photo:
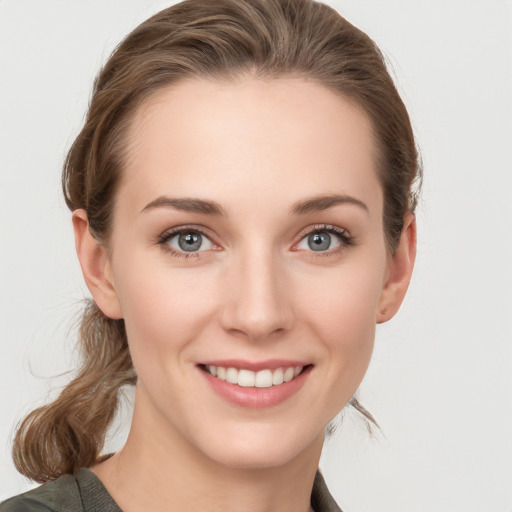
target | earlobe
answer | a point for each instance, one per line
(95, 266)
(399, 274)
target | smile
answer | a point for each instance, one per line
(254, 384)
(249, 379)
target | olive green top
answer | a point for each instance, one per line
(84, 492)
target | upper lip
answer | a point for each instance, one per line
(255, 366)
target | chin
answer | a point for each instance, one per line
(263, 448)
(253, 458)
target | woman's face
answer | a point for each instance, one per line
(247, 235)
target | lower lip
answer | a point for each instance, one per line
(256, 398)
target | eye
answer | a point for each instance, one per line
(186, 241)
(324, 239)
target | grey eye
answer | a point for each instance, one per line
(190, 241)
(319, 241)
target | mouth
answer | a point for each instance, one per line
(255, 384)
(264, 378)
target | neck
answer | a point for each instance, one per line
(162, 472)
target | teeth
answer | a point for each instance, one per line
(263, 379)
(288, 374)
(250, 379)
(232, 375)
(246, 378)
(277, 377)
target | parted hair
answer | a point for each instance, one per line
(217, 40)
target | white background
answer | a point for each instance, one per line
(440, 383)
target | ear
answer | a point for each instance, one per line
(400, 266)
(96, 267)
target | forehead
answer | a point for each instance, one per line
(252, 138)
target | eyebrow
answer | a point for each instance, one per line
(320, 203)
(187, 204)
(190, 204)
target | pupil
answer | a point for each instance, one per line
(319, 241)
(190, 242)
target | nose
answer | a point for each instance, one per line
(257, 301)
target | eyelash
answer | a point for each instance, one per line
(345, 239)
(170, 234)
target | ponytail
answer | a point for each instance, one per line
(69, 433)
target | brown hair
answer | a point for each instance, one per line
(220, 40)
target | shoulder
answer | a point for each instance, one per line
(321, 498)
(82, 492)
(58, 496)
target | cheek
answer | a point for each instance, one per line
(163, 309)
(341, 313)
(344, 306)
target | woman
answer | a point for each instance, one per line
(243, 207)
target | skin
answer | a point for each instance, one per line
(254, 291)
